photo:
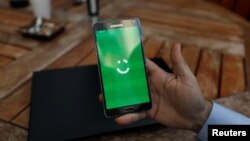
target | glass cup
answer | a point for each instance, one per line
(41, 8)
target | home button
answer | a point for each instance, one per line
(129, 109)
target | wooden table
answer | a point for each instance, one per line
(216, 45)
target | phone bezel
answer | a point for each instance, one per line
(105, 25)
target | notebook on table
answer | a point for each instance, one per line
(65, 105)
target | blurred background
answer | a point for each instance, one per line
(241, 7)
(215, 38)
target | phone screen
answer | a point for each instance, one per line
(122, 66)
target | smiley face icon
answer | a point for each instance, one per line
(122, 66)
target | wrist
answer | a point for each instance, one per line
(202, 118)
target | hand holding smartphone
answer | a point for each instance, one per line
(121, 66)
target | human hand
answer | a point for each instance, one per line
(177, 100)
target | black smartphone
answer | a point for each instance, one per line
(121, 64)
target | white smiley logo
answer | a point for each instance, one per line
(122, 71)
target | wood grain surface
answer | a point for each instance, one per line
(152, 47)
(232, 73)
(4, 61)
(208, 74)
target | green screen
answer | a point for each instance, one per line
(122, 67)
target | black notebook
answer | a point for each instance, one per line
(65, 105)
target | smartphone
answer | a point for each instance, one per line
(121, 65)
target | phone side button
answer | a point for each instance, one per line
(129, 109)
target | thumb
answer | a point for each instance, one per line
(179, 64)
